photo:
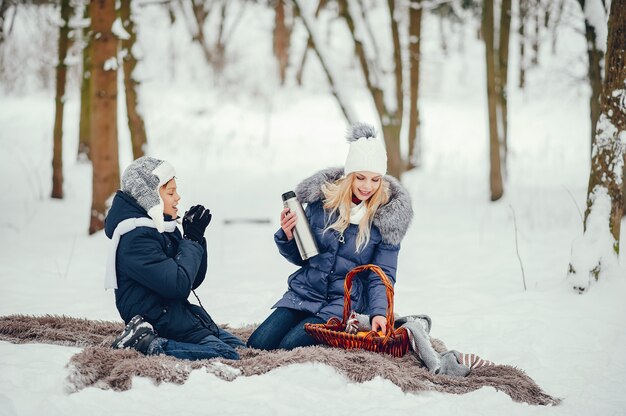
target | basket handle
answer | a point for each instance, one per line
(347, 287)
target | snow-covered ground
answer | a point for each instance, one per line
(237, 152)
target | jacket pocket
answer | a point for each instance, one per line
(204, 318)
(159, 316)
(156, 313)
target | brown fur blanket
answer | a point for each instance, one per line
(100, 366)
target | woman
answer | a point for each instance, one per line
(358, 216)
(153, 268)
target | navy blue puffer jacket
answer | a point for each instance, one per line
(156, 272)
(317, 286)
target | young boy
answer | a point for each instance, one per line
(153, 268)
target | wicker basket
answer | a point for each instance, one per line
(395, 342)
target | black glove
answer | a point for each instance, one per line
(195, 222)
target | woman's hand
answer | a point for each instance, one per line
(288, 220)
(379, 323)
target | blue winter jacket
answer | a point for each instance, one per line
(318, 285)
(155, 275)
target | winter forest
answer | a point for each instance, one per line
(505, 120)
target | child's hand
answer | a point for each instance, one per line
(195, 222)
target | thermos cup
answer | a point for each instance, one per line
(302, 231)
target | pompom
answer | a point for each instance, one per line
(359, 130)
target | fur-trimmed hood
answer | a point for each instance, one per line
(392, 219)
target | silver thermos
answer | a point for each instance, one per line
(302, 231)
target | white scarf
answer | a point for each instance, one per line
(357, 212)
(110, 278)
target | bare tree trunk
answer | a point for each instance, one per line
(215, 54)
(136, 124)
(302, 63)
(536, 13)
(57, 152)
(397, 59)
(415, 29)
(604, 197)
(503, 68)
(104, 151)
(4, 7)
(359, 49)
(557, 23)
(594, 73)
(608, 153)
(343, 102)
(281, 39)
(368, 27)
(84, 128)
(219, 52)
(309, 45)
(172, 44)
(595, 77)
(495, 173)
(391, 132)
(442, 36)
(392, 123)
(200, 15)
(523, 15)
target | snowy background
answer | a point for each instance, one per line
(241, 143)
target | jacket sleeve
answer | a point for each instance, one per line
(386, 258)
(288, 249)
(203, 267)
(142, 258)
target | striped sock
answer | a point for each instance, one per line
(473, 361)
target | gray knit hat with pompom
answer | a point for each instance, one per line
(142, 180)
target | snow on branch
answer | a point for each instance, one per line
(597, 16)
(111, 64)
(119, 31)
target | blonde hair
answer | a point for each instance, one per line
(338, 199)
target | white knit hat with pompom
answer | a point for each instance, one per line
(367, 153)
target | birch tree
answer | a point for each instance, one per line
(61, 76)
(596, 253)
(104, 148)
